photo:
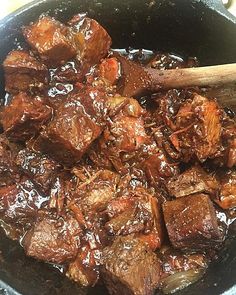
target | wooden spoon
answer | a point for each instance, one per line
(137, 80)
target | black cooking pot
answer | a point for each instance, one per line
(201, 28)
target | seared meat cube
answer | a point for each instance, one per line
(51, 39)
(168, 106)
(194, 180)
(198, 125)
(126, 130)
(129, 133)
(41, 169)
(175, 261)
(155, 236)
(130, 268)
(96, 192)
(77, 123)
(154, 239)
(24, 116)
(85, 269)
(227, 155)
(67, 138)
(109, 70)
(53, 240)
(9, 173)
(24, 72)
(131, 221)
(229, 141)
(227, 195)
(191, 222)
(91, 39)
(158, 167)
(136, 213)
(19, 203)
(120, 205)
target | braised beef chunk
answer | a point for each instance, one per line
(198, 129)
(126, 131)
(91, 39)
(137, 213)
(227, 195)
(191, 222)
(128, 222)
(51, 40)
(77, 123)
(227, 155)
(120, 205)
(41, 169)
(85, 269)
(109, 70)
(53, 240)
(157, 166)
(169, 105)
(98, 191)
(129, 267)
(24, 116)
(194, 180)
(23, 72)
(19, 203)
(9, 173)
(174, 261)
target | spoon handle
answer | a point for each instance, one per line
(202, 76)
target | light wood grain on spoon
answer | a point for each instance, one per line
(202, 76)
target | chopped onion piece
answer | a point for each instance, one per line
(181, 280)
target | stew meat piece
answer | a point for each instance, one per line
(24, 116)
(138, 214)
(129, 267)
(53, 240)
(194, 180)
(198, 129)
(51, 40)
(158, 167)
(176, 261)
(109, 70)
(91, 39)
(9, 173)
(76, 124)
(41, 169)
(227, 195)
(19, 203)
(131, 221)
(98, 192)
(127, 127)
(191, 222)
(229, 138)
(23, 72)
(85, 269)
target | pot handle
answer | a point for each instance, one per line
(218, 5)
